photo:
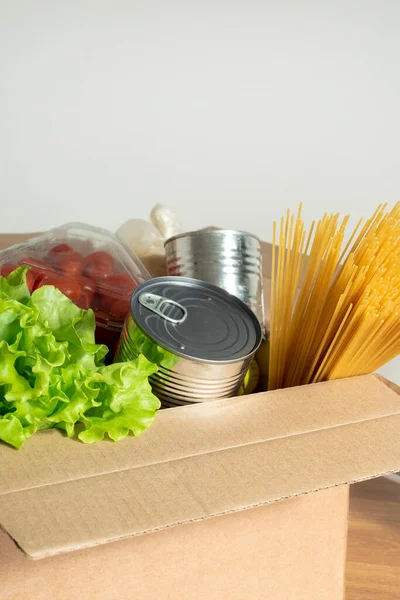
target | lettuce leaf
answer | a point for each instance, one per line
(52, 373)
(14, 287)
(121, 409)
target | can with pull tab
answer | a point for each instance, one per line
(201, 337)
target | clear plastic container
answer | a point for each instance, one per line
(89, 265)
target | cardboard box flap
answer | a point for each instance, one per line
(196, 462)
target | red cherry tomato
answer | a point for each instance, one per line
(88, 292)
(100, 256)
(97, 304)
(104, 302)
(38, 279)
(37, 268)
(30, 279)
(98, 265)
(117, 285)
(68, 263)
(69, 287)
(8, 268)
(120, 281)
(83, 302)
(64, 248)
(116, 288)
(120, 308)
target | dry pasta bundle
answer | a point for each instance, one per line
(335, 312)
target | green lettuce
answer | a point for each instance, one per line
(52, 373)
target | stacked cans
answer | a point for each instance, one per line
(201, 337)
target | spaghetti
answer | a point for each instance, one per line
(335, 312)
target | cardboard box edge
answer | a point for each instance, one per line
(390, 384)
(43, 555)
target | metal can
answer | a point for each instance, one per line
(227, 258)
(201, 337)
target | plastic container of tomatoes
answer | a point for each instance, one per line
(89, 265)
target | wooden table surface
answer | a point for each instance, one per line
(373, 555)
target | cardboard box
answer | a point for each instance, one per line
(237, 499)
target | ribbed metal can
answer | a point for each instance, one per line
(226, 258)
(201, 337)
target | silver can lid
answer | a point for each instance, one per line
(195, 320)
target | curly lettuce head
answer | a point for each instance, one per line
(52, 373)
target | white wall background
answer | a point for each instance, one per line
(227, 110)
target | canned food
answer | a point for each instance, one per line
(201, 337)
(226, 258)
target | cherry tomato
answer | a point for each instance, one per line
(116, 285)
(88, 292)
(98, 265)
(97, 305)
(69, 287)
(64, 248)
(30, 279)
(83, 302)
(37, 268)
(68, 263)
(120, 308)
(120, 281)
(116, 289)
(100, 256)
(38, 280)
(8, 268)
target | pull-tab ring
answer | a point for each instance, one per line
(160, 306)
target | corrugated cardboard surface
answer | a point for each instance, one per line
(198, 462)
(291, 550)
